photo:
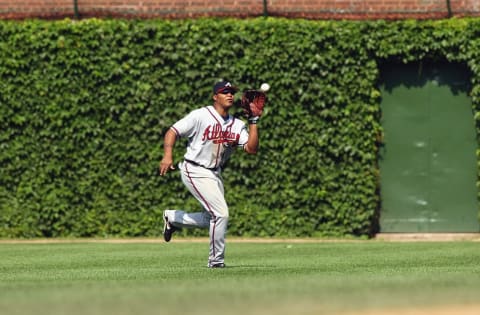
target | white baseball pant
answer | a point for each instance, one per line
(207, 187)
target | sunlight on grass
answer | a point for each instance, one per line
(261, 278)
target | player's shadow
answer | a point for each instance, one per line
(258, 267)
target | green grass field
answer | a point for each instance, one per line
(261, 278)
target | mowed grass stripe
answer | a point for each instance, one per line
(261, 278)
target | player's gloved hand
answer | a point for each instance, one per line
(252, 103)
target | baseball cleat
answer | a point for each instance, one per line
(168, 229)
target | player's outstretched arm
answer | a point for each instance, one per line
(252, 144)
(253, 102)
(166, 163)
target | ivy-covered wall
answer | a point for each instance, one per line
(84, 106)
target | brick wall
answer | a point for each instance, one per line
(312, 9)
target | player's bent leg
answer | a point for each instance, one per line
(182, 219)
(207, 188)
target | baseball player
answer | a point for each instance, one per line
(213, 134)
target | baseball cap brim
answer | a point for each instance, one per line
(231, 89)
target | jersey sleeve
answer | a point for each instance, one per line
(185, 127)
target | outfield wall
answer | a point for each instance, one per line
(85, 105)
(331, 9)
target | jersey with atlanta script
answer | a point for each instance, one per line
(211, 138)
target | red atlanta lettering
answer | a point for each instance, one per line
(218, 135)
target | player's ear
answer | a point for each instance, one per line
(214, 97)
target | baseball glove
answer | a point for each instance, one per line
(252, 103)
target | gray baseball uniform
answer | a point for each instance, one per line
(211, 141)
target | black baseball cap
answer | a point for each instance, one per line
(223, 86)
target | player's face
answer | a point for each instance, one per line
(224, 98)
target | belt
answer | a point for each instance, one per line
(196, 164)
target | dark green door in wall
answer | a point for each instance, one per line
(428, 165)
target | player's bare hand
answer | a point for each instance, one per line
(165, 166)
